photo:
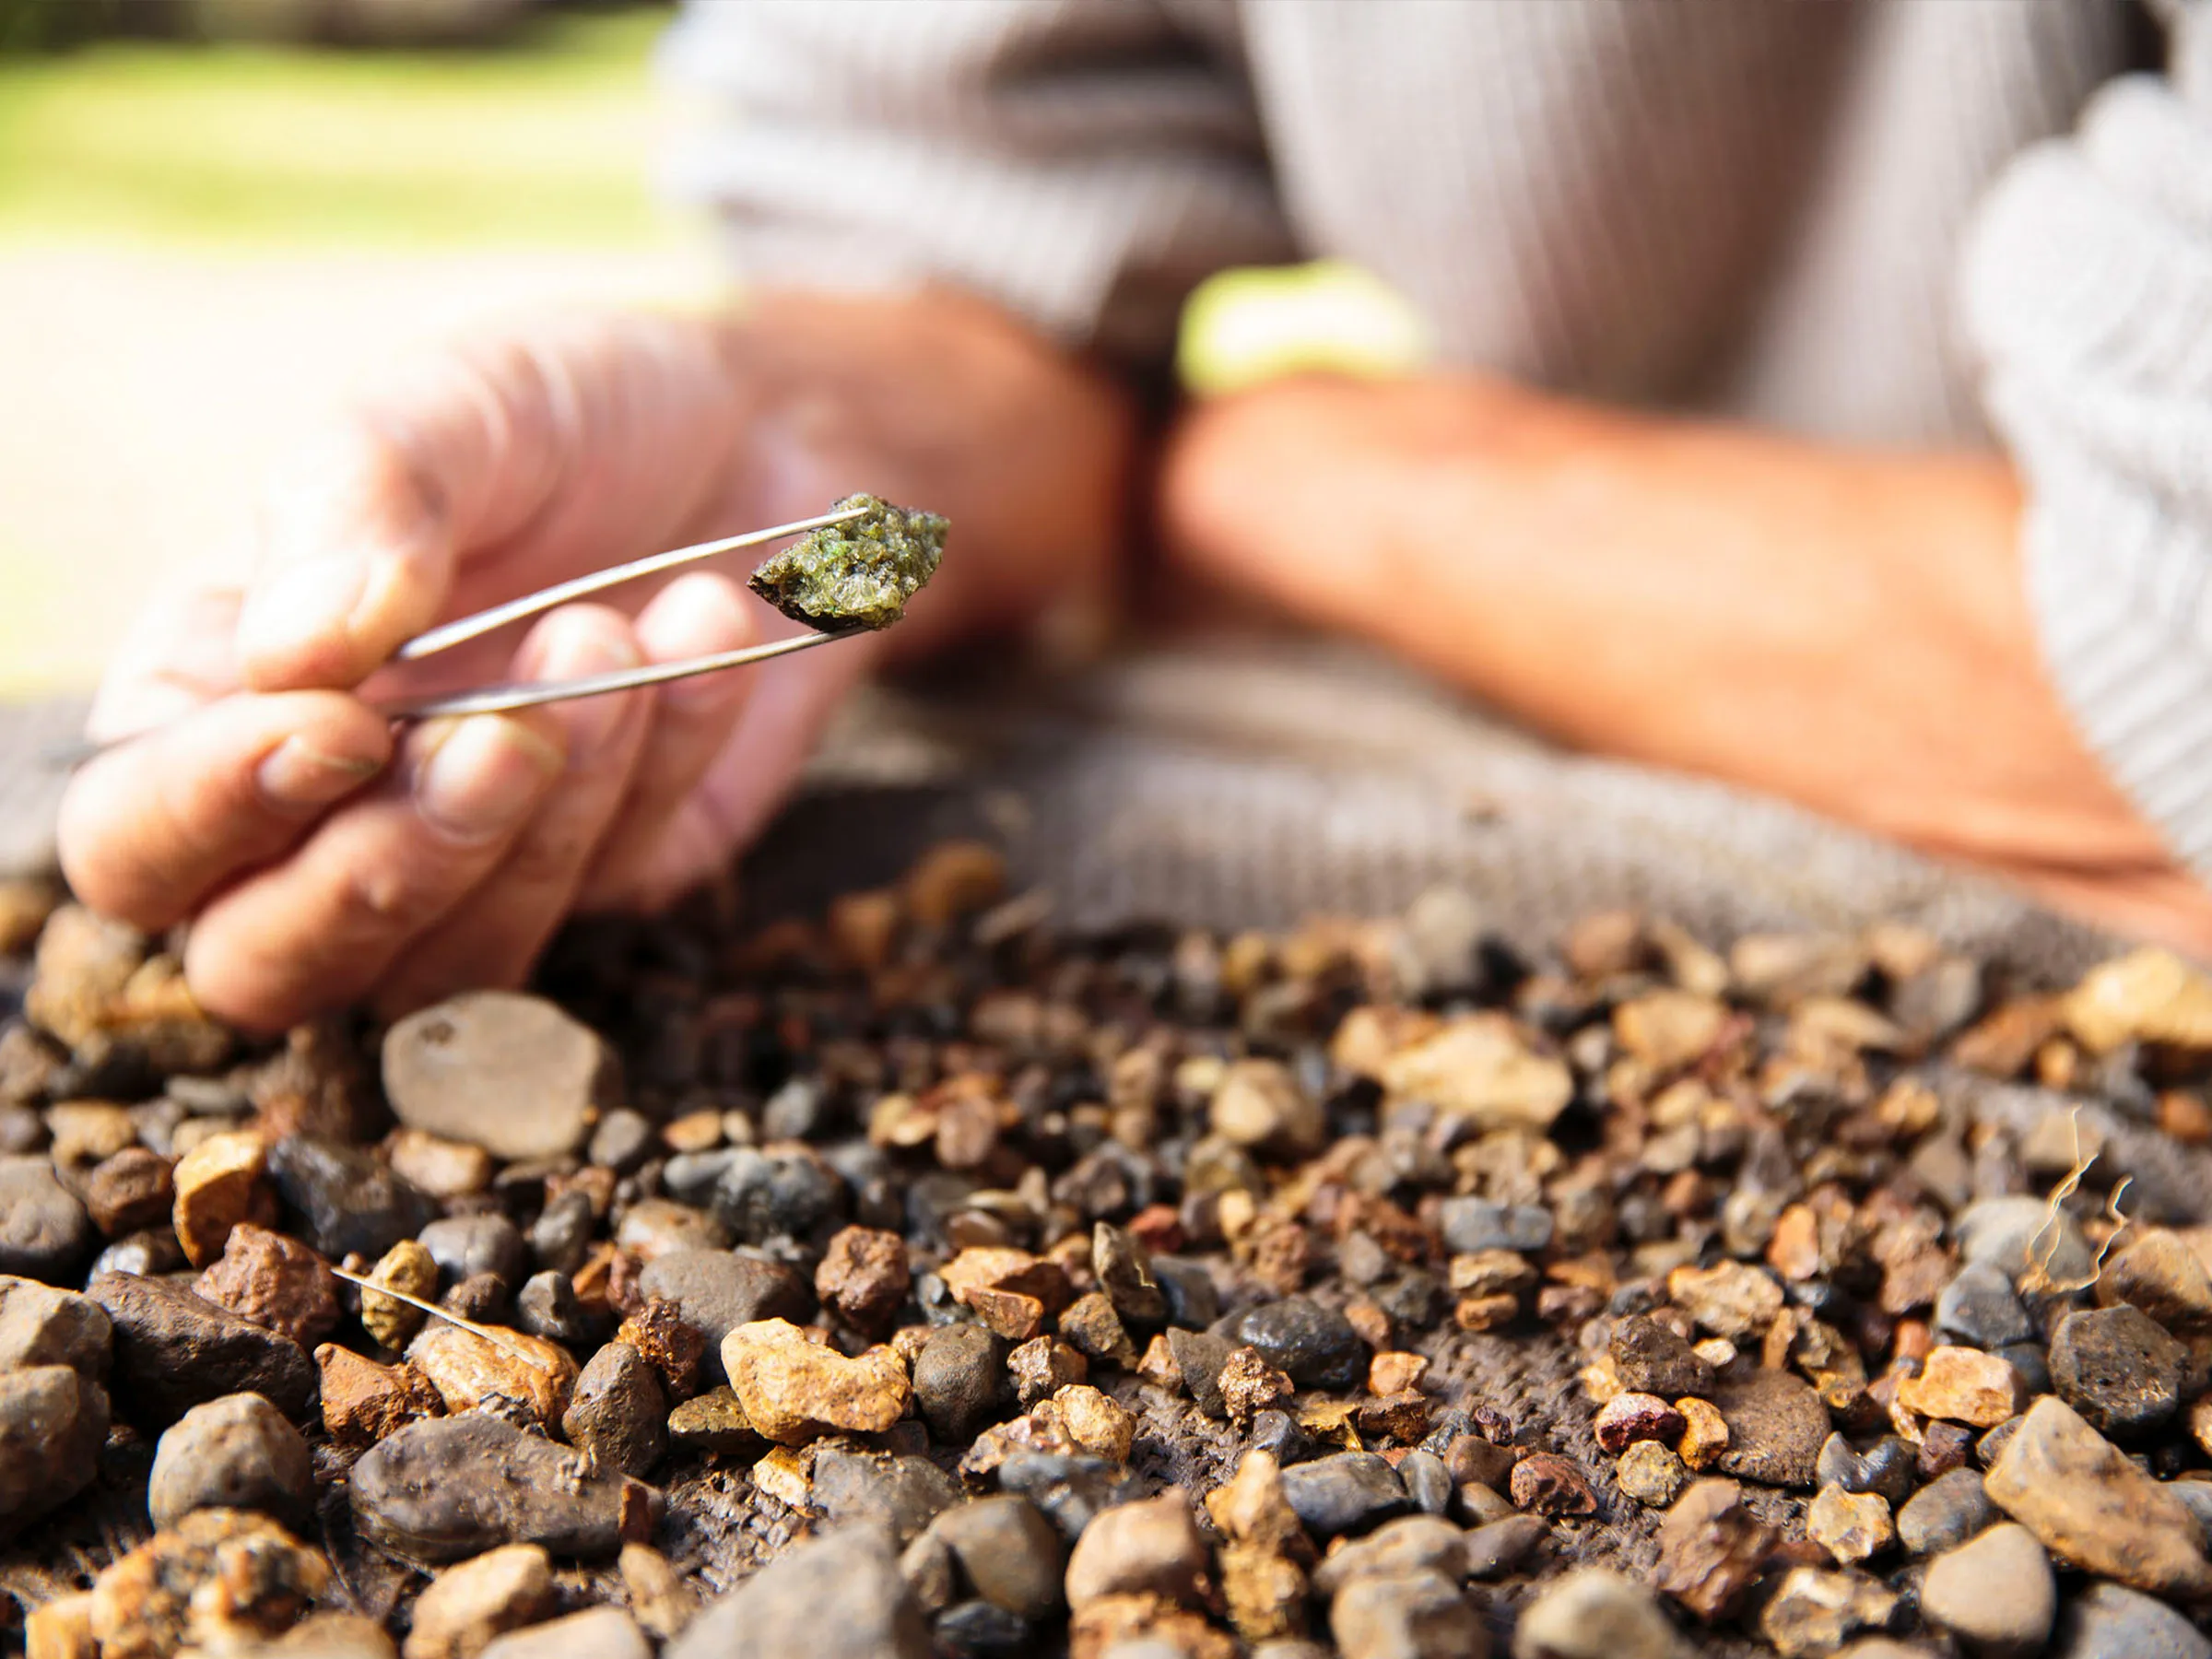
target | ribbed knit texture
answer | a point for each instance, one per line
(1738, 207)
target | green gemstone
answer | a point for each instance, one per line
(857, 574)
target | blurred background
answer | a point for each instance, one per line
(216, 213)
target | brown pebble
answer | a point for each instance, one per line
(1628, 1417)
(1711, 1549)
(277, 1282)
(864, 1278)
(129, 1191)
(1545, 1484)
(1249, 1385)
(669, 1343)
(363, 1402)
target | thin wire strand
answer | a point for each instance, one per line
(528, 694)
(447, 635)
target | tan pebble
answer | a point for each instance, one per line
(277, 1282)
(467, 1369)
(1095, 1421)
(218, 1579)
(659, 1598)
(1669, 1030)
(1963, 1385)
(1249, 1385)
(1157, 1367)
(408, 1268)
(1704, 1432)
(952, 879)
(61, 1629)
(466, 1606)
(219, 1184)
(1390, 1373)
(794, 1390)
(445, 1169)
(1850, 1525)
(786, 1475)
(85, 1131)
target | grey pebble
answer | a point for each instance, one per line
(1427, 1481)
(960, 1382)
(562, 1232)
(1345, 1492)
(45, 1232)
(2109, 1621)
(622, 1140)
(351, 1199)
(1314, 1346)
(1980, 1308)
(2119, 1368)
(1945, 1513)
(1469, 1225)
(718, 1290)
(835, 1597)
(235, 1453)
(53, 1421)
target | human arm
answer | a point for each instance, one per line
(356, 861)
(1845, 629)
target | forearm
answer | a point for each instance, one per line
(1847, 631)
(945, 402)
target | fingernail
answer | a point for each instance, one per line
(308, 604)
(480, 776)
(594, 721)
(296, 776)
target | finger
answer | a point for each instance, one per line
(176, 659)
(317, 929)
(495, 933)
(695, 616)
(148, 828)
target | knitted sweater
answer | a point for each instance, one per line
(1904, 222)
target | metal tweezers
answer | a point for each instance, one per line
(525, 694)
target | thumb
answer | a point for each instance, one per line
(356, 557)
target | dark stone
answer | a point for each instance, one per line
(450, 1488)
(691, 1177)
(1653, 1359)
(1006, 1552)
(350, 1200)
(1314, 1346)
(1125, 1274)
(1945, 1513)
(53, 1421)
(45, 1232)
(981, 1627)
(1980, 1308)
(546, 1306)
(834, 1597)
(1415, 1300)
(1193, 1301)
(1278, 1434)
(174, 1350)
(619, 1412)
(719, 1289)
(2120, 1368)
(622, 1140)
(562, 1232)
(1888, 1466)
(1776, 1427)
(1201, 1357)
(1469, 1225)
(481, 1296)
(899, 1494)
(1072, 1491)
(2028, 1359)
(464, 1246)
(1345, 1492)
(1427, 1481)
(764, 1196)
(960, 1382)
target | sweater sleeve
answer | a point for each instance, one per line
(1084, 162)
(2087, 288)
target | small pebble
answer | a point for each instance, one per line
(464, 1606)
(45, 1232)
(601, 1632)
(1997, 1593)
(2109, 1621)
(1850, 1525)
(235, 1453)
(1152, 1547)
(2118, 1368)
(1591, 1613)
(1345, 1492)
(512, 1074)
(619, 1412)
(1651, 1473)
(1945, 1513)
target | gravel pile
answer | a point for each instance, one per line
(913, 1281)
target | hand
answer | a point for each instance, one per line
(1845, 629)
(320, 856)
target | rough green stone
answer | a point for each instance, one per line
(857, 574)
